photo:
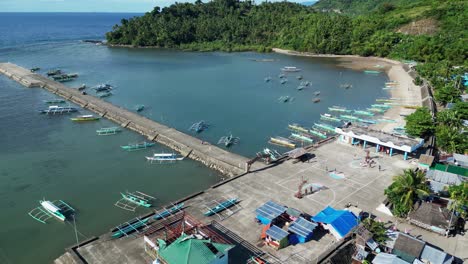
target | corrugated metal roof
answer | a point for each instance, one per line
(384, 258)
(270, 210)
(276, 233)
(341, 220)
(444, 177)
(190, 250)
(435, 256)
(302, 227)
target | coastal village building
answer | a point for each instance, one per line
(301, 230)
(388, 143)
(404, 246)
(432, 216)
(440, 181)
(339, 222)
(268, 212)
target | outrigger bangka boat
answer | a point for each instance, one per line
(35, 69)
(269, 154)
(198, 126)
(221, 207)
(162, 157)
(104, 94)
(349, 117)
(301, 137)
(54, 109)
(290, 69)
(129, 227)
(281, 141)
(168, 211)
(267, 79)
(329, 117)
(297, 127)
(58, 209)
(284, 99)
(139, 108)
(339, 109)
(365, 113)
(54, 72)
(108, 131)
(103, 87)
(131, 200)
(325, 127)
(85, 118)
(54, 101)
(317, 133)
(371, 72)
(228, 140)
(381, 106)
(138, 146)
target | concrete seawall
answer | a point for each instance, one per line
(212, 156)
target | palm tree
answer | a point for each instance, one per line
(406, 189)
(459, 197)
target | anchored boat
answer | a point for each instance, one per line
(162, 157)
(281, 141)
(381, 106)
(198, 126)
(325, 127)
(349, 117)
(35, 69)
(376, 110)
(371, 72)
(54, 72)
(339, 109)
(301, 137)
(138, 146)
(317, 133)
(284, 99)
(104, 94)
(269, 155)
(290, 69)
(54, 101)
(58, 209)
(228, 140)
(329, 117)
(54, 109)
(365, 113)
(221, 207)
(108, 131)
(85, 118)
(131, 200)
(139, 108)
(267, 79)
(297, 127)
(103, 87)
(129, 227)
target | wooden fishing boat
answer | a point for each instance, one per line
(317, 133)
(129, 227)
(138, 198)
(339, 109)
(269, 155)
(367, 121)
(284, 99)
(55, 101)
(281, 141)
(139, 108)
(376, 110)
(35, 69)
(54, 109)
(305, 83)
(364, 113)
(297, 127)
(82, 87)
(317, 93)
(325, 127)
(105, 131)
(81, 118)
(316, 100)
(168, 211)
(290, 69)
(281, 75)
(58, 209)
(301, 137)
(138, 146)
(329, 117)
(221, 207)
(381, 106)
(300, 88)
(346, 85)
(103, 87)
(299, 77)
(283, 81)
(164, 157)
(267, 79)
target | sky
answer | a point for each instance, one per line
(127, 6)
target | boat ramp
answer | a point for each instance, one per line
(212, 156)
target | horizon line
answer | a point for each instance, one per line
(88, 12)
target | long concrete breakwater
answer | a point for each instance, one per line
(212, 156)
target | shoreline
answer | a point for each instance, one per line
(406, 92)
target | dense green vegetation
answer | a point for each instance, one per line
(366, 27)
(405, 190)
(459, 196)
(420, 124)
(378, 229)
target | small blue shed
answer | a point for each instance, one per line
(301, 230)
(338, 222)
(269, 211)
(277, 237)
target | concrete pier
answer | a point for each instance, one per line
(212, 156)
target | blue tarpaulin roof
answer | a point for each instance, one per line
(276, 233)
(341, 220)
(270, 210)
(302, 227)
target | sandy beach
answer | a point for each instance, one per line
(405, 92)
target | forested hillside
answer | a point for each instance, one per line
(362, 6)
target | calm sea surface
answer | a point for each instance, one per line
(51, 157)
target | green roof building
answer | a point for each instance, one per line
(192, 250)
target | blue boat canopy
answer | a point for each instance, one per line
(302, 227)
(270, 210)
(341, 220)
(276, 233)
